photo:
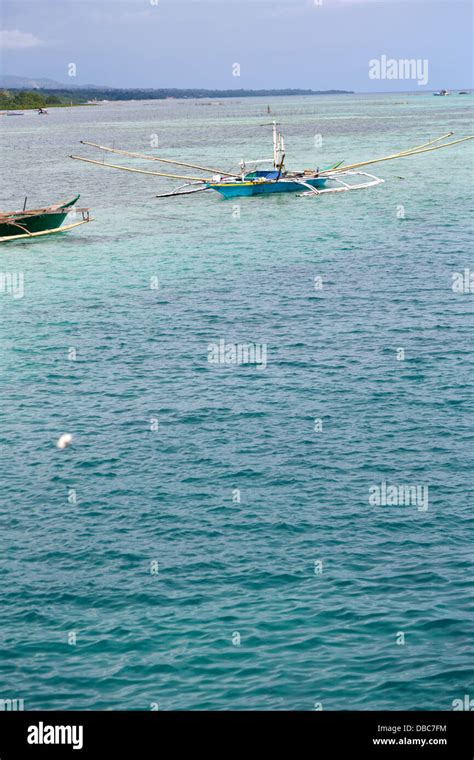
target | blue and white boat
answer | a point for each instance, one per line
(274, 180)
(260, 182)
(277, 179)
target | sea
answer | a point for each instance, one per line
(267, 501)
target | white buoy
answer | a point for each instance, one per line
(64, 441)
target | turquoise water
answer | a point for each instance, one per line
(80, 564)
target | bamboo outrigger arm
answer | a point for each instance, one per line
(156, 158)
(402, 154)
(345, 186)
(181, 190)
(27, 235)
(138, 171)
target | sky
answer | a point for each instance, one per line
(310, 44)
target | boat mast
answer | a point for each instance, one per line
(275, 146)
(278, 149)
(282, 153)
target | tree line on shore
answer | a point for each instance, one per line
(39, 98)
(25, 99)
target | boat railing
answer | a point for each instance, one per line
(4, 217)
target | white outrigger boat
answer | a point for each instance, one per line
(336, 178)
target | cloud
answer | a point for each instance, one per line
(16, 40)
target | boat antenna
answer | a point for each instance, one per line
(275, 145)
(276, 138)
(281, 153)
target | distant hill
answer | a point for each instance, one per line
(11, 82)
(25, 83)
(91, 91)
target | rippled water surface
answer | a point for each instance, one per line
(303, 591)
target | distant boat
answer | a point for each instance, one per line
(42, 111)
(16, 225)
(463, 92)
(442, 93)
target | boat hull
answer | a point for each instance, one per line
(34, 223)
(237, 189)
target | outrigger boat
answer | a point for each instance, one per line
(340, 178)
(17, 225)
